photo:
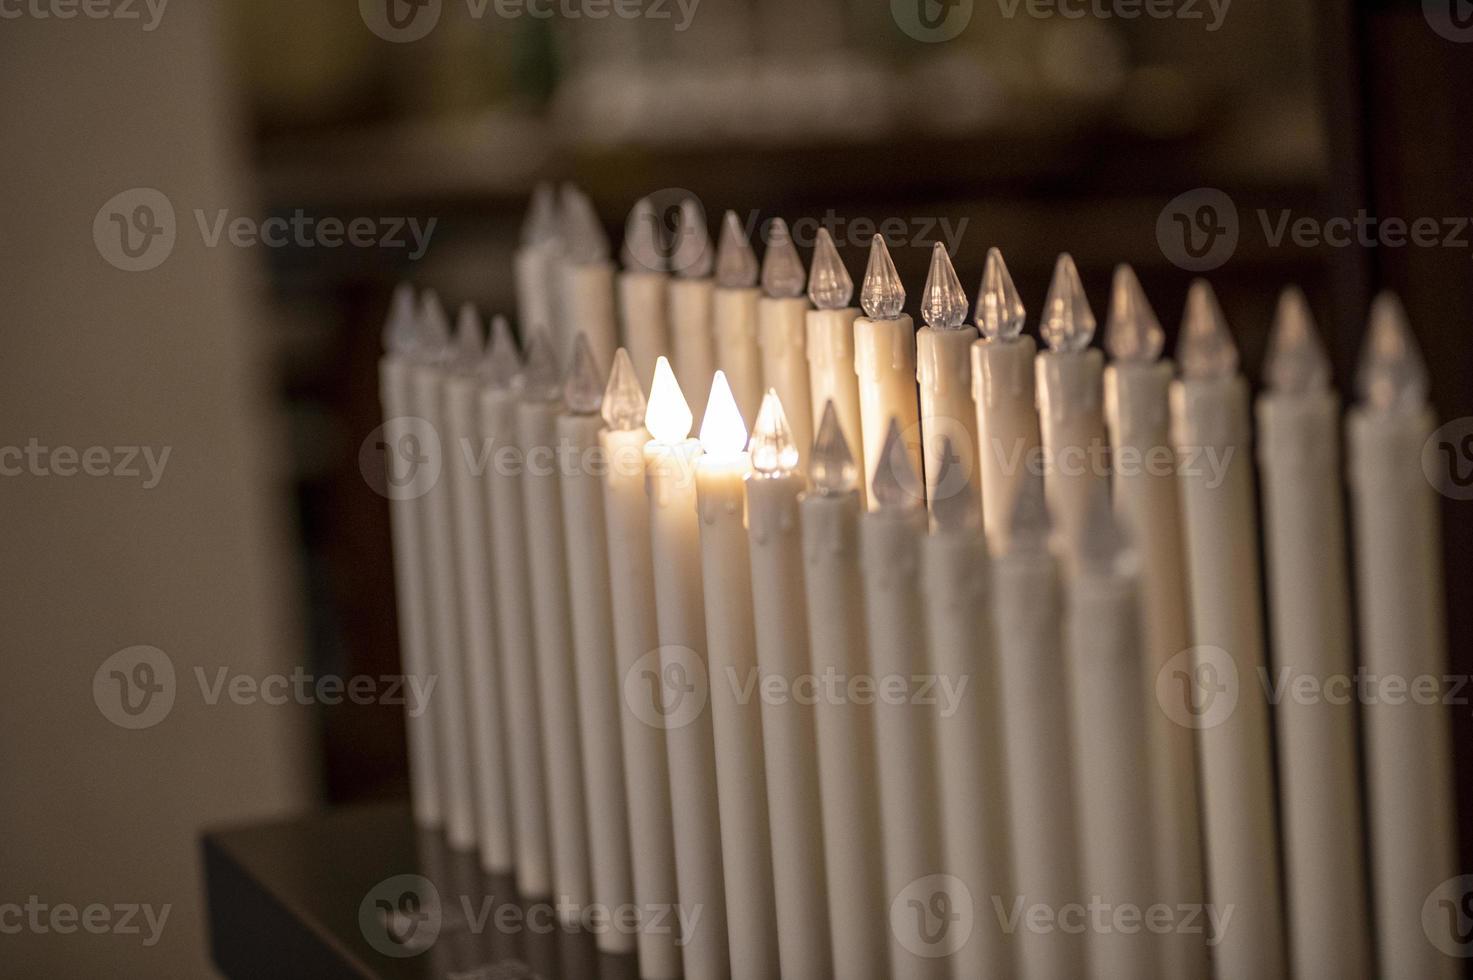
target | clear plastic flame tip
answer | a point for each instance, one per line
(736, 263)
(1029, 524)
(1000, 313)
(1132, 331)
(882, 295)
(957, 507)
(432, 329)
(1296, 363)
(783, 276)
(832, 469)
(774, 451)
(669, 416)
(829, 284)
(503, 361)
(894, 477)
(692, 257)
(1102, 545)
(469, 347)
(400, 331)
(1392, 374)
(582, 232)
(623, 402)
(723, 433)
(1068, 323)
(1205, 350)
(943, 303)
(540, 227)
(541, 377)
(644, 239)
(583, 390)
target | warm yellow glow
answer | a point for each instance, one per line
(668, 417)
(722, 431)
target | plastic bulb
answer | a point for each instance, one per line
(832, 469)
(943, 302)
(1132, 331)
(736, 263)
(691, 257)
(1296, 363)
(400, 332)
(1206, 350)
(723, 433)
(782, 271)
(1068, 324)
(541, 377)
(883, 294)
(829, 284)
(957, 509)
(540, 225)
(1000, 313)
(503, 362)
(644, 239)
(1392, 375)
(774, 453)
(669, 416)
(583, 390)
(623, 402)
(895, 479)
(583, 234)
(432, 329)
(469, 349)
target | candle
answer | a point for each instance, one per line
(1399, 592)
(1037, 739)
(599, 693)
(734, 315)
(782, 333)
(534, 261)
(693, 345)
(395, 370)
(642, 290)
(746, 847)
(631, 591)
(969, 745)
(831, 377)
(1144, 486)
(1070, 413)
(944, 370)
(787, 723)
(487, 730)
(670, 460)
(884, 360)
(844, 727)
(587, 278)
(890, 540)
(1210, 429)
(1002, 380)
(518, 693)
(542, 384)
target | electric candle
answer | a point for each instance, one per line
(587, 278)
(781, 332)
(1070, 412)
(884, 360)
(487, 727)
(670, 461)
(1399, 588)
(944, 370)
(776, 550)
(1210, 429)
(499, 400)
(534, 261)
(734, 315)
(831, 377)
(693, 345)
(890, 539)
(1144, 488)
(631, 589)
(541, 391)
(599, 693)
(395, 371)
(1002, 380)
(844, 727)
(642, 290)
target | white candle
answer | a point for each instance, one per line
(746, 846)
(643, 286)
(782, 331)
(890, 538)
(1070, 401)
(487, 730)
(787, 723)
(557, 689)
(831, 376)
(944, 371)
(1144, 486)
(670, 462)
(586, 279)
(844, 726)
(734, 315)
(1399, 591)
(885, 362)
(974, 813)
(514, 616)
(395, 370)
(1037, 738)
(692, 343)
(534, 261)
(1002, 379)
(632, 596)
(1210, 429)
(599, 690)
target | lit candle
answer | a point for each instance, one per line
(1144, 486)
(599, 691)
(632, 596)
(534, 261)
(782, 332)
(831, 376)
(1399, 590)
(693, 345)
(395, 371)
(746, 847)
(642, 290)
(1002, 379)
(1037, 737)
(844, 726)
(787, 723)
(885, 362)
(1210, 429)
(1070, 402)
(514, 618)
(890, 539)
(734, 315)
(944, 370)
(587, 277)
(541, 392)
(670, 462)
